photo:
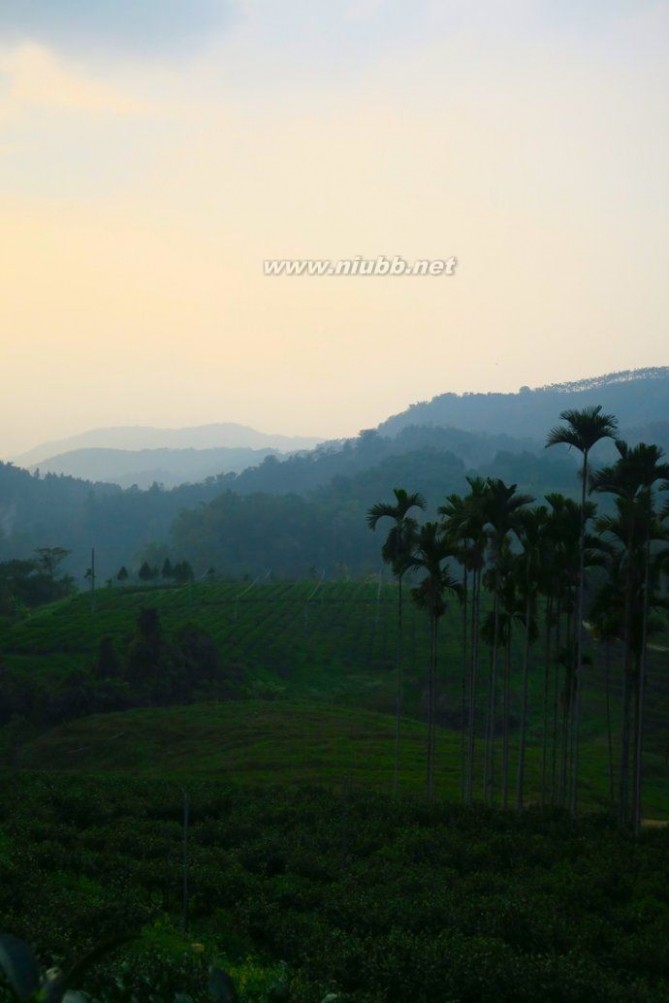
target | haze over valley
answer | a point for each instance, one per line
(437, 444)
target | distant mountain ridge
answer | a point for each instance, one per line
(144, 467)
(319, 498)
(137, 437)
(636, 397)
(470, 425)
(622, 376)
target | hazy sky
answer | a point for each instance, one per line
(154, 152)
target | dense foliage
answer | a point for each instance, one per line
(36, 581)
(146, 668)
(345, 892)
(281, 516)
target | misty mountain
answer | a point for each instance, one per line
(137, 437)
(288, 516)
(305, 472)
(55, 510)
(144, 467)
(306, 510)
(637, 397)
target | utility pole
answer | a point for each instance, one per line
(185, 862)
(92, 575)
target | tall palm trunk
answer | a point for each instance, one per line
(641, 688)
(578, 677)
(490, 737)
(466, 691)
(567, 694)
(609, 734)
(506, 701)
(638, 771)
(623, 806)
(584, 430)
(631, 479)
(520, 780)
(556, 708)
(623, 797)
(471, 733)
(546, 709)
(397, 551)
(431, 707)
(399, 696)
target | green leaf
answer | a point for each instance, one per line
(221, 986)
(19, 966)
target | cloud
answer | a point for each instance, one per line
(142, 27)
(35, 78)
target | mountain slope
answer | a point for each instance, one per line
(636, 397)
(133, 437)
(144, 467)
(251, 741)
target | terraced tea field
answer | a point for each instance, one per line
(303, 638)
(322, 652)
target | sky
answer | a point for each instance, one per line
(154, 153)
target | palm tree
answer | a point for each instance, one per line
(431, 551)
(397, 551)
(455, 529)
(554, 588)
(630, 592)
(632, 479)
(531, 532)
(583, 430)
(605, 631)
(498, 629)
(561, 561)
(501, 507)
(464, 521)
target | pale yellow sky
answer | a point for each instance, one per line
(140, 193)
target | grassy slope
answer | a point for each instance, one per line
(326, 653)
(251, 741)
(265, 742)
(333, 641)
(302, 640)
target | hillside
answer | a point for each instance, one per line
(68, 512)
(637, 397)
(280, 742)
(321, 657)
(287, 517)
(330, 641)
(144, 467)
(137, 437)
(251, 742)
(307, 511)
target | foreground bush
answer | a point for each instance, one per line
(300, 893)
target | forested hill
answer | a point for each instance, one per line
(75, 514)
(637, 397)
(144, 467)
(287, 517)
(308, 511)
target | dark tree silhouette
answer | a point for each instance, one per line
(583, 430)
(397, 552)
(430, 555)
